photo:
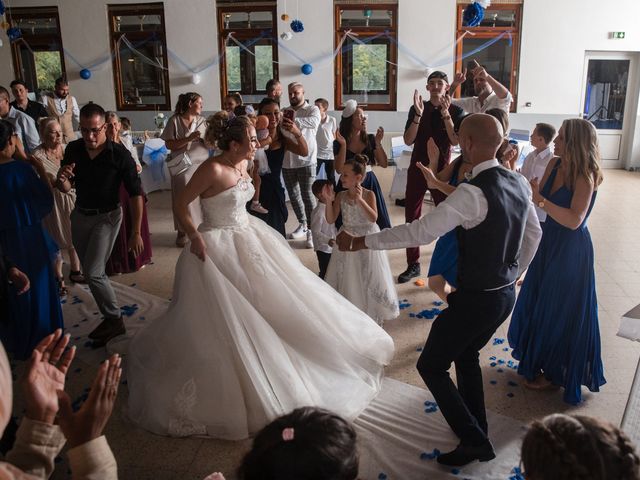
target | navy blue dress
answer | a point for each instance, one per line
(554, 327)
(370, 182)
(272, 193)
(444, 260)
(24, 201)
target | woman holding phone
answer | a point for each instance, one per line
(184, 136)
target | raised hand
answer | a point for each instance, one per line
(418, 106)
(45, 376)
(479, 71)
(460, 77)
(88, 423)
(445, 103)
(379, 135)
(428, 174)
(359, 190)
(328, 194)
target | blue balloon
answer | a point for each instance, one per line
(85, 74)
(306, 69)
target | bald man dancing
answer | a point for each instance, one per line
(498, 233)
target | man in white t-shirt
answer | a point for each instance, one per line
(489, 92)
(536, 162)
(325, 137)
(299, 172)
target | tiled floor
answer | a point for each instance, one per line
(615, 227)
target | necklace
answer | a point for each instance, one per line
(232, 165)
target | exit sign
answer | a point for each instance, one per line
(618, 35)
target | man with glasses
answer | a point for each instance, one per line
(23, 124)
(96, 167)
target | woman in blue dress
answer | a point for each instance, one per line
(443, 269)
(271, 191)
(25, 200)
(352, 139)
(554, 329)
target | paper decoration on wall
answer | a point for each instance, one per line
(14, 33)
(85, 74)
(474, 13)
(195, 79)
(306, 69)
(284, 17)
(297, 26)
(286, 36)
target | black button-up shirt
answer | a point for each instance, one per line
(97, 181)
(34, 109)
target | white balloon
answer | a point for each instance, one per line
(195, 79)
(427, 72)
(286, 36)
(483, 3)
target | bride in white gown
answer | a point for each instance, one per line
(250, 334)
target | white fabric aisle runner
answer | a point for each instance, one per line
(81, 316)
(394, 431)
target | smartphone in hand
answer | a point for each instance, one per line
(289, 113)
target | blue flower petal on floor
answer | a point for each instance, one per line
(430, 455)
(129, 310)
(498, 341)
(517, 474)
(404, 305)
(493, 382)
(430, 407)
(418, 349)
(455, 471)
(493, 357)
(382, 476)
(505, 349)
(412, 315)
(500, 362)
(511, 383)
(492, 364)
(437, 303)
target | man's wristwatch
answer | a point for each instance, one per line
(541, 203)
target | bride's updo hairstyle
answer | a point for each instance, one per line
(222, 130)
(575, 447)
(306, 444)
(358, 164)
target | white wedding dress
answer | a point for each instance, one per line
(250, 335)
(363, 277)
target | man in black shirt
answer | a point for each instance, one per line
(96, 167)
(21, 95)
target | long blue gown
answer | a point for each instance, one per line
(24, 201)
(554, 327)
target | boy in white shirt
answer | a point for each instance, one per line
(535, 164)
(324, 137)
(323, 233)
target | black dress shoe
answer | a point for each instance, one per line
(412, 271)
(113, 329)
(464, 454)
(104, 328)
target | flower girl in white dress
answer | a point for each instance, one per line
(363, 277)
(250, 334)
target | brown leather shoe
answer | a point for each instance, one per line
(114, 328)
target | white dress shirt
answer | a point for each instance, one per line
(534, 166)
(472, 104)
(61, 106)
(307, 119)
(325, 137)
(321, 230)
(466, 207)
(25, 128)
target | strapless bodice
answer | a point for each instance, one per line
(228, 208)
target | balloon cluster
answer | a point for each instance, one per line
(474, 13)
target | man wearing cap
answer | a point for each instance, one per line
(430, 120)
(489, 93)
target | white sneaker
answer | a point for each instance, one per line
(309, 242)
(298, 232)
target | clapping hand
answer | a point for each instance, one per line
(428, 175)
(535, 190)
(418, 106)
(88, 423)
(45, 376)
(445, 103)
(379, 135)
(195, 135)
